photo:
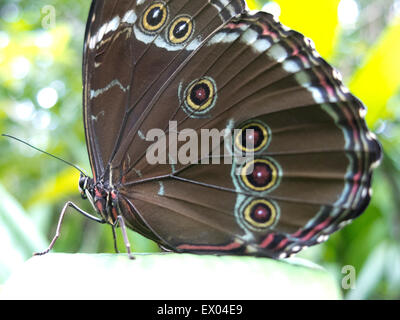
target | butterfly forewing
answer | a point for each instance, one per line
(127, 60)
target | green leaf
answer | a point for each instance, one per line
(18, 235)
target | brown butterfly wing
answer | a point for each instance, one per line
(106, 79)
(127, 58)
(311, 177)
(125, 64)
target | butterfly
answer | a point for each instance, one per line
(213, 65)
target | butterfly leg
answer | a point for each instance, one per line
(60, 220)
(120, 221)
(115, 238)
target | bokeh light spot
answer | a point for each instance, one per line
(47, 98)
(9, 12)
(42, 120)
(20, 67)
(4, 39)
(348, 12)
(272, 8)
(24, 110)
(44, 40)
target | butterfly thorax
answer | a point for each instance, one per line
(102, 196)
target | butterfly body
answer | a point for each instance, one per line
(211, 66)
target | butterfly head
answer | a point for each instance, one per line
(84, 182)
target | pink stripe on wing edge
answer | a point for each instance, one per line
(267, 241)
(228, 247)
(318, 228)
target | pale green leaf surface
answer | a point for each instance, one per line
(168, 276)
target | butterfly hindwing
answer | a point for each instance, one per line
(318, 149)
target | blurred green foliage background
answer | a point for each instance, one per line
(40, 102)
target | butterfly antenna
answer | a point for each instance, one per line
(49, 154)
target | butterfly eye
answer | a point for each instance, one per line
(155, 17)
(260, 175)
(201, 95)
(82, 186)
(253, 137)
(261, 214)
(181, 29)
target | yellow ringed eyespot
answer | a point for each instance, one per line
(261, 214)
(252, 137)
(200, 97)
(260, 175)
(180, 30)
(154, 17)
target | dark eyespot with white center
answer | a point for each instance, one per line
(180, 30)
(155, 17)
